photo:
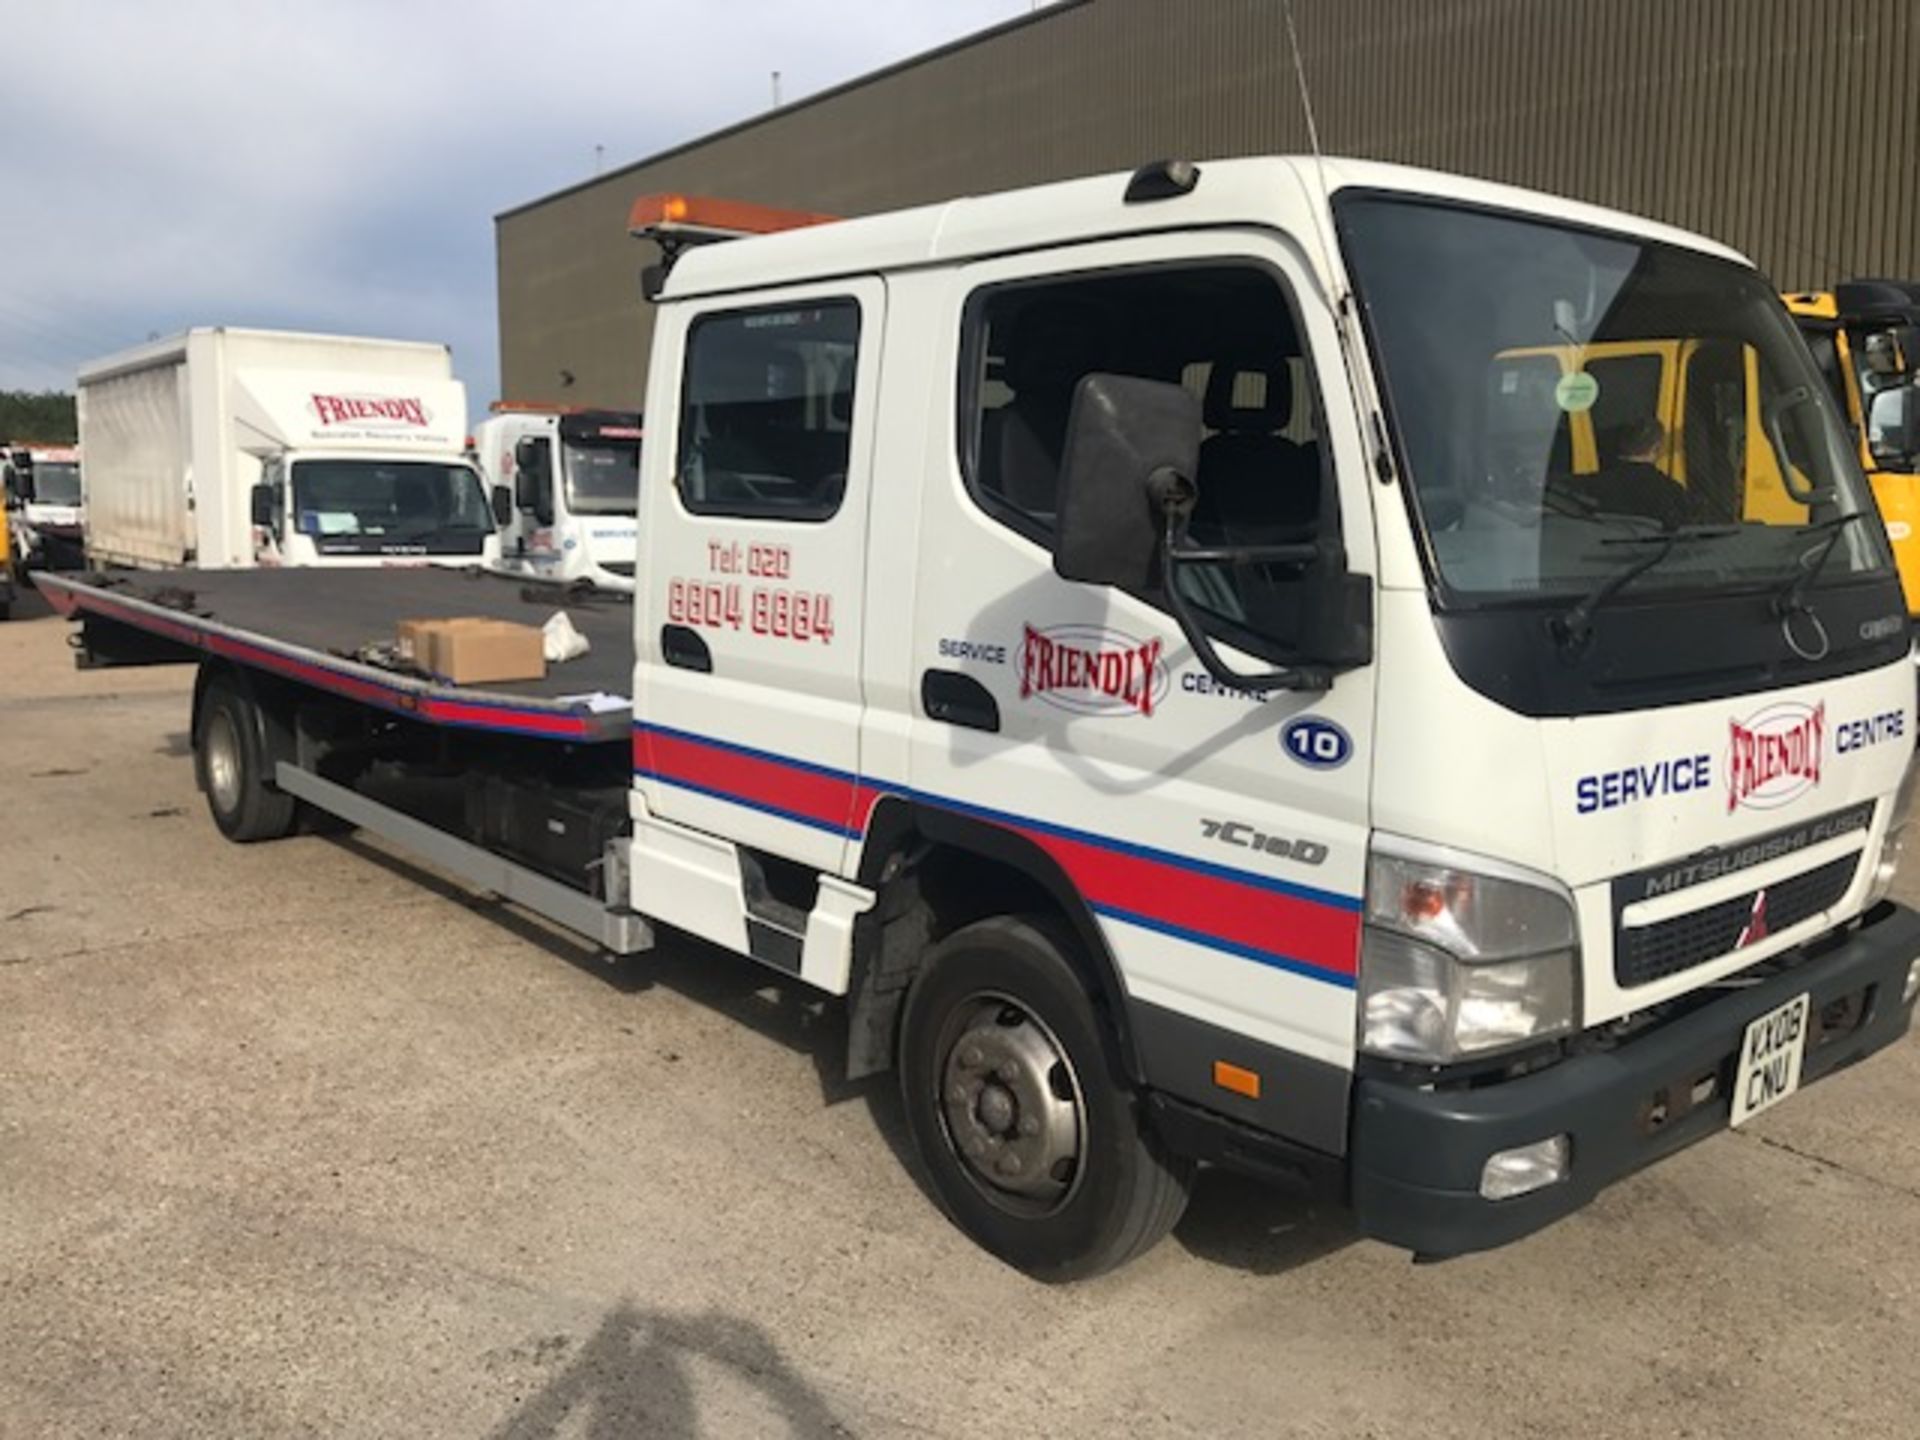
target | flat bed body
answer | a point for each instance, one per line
(314, 626)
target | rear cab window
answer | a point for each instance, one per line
(766, 411)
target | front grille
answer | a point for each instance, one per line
(1652, 952)
(618, 567)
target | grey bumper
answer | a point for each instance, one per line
(1416, 1155)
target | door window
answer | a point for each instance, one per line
(1225, 331)
(767, 411)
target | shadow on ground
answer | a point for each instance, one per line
(632, 1378)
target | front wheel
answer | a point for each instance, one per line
(1031, 1137)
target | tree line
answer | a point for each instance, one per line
(43, 417)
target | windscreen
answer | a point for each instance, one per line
(1564, 398)
(603, 478)
(56, 483)
(349, 506)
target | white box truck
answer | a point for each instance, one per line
(228, 448)
(567, 484)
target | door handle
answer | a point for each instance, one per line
(957, 699)
(684, 648)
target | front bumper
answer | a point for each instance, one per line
(1416, 1155)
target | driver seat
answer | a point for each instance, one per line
(1255, 486)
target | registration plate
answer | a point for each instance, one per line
(1769, 1068)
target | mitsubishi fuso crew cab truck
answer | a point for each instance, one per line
(1096, 631)
(567, 483)
(1865, 334)
(225, 448)
(43, 491)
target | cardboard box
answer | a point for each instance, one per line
(409, 642)
(468, 650)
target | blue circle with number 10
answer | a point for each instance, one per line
(1314, 742)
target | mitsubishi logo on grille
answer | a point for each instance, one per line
(1756, 926)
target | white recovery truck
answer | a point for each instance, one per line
(1087, 628)
(568, 483)
(43, 492)
(227, 448)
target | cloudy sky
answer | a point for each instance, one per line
(337, 166)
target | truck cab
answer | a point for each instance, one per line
(43, 489)
(1138, 566)
(567, 483)
(1865, 334)
(354, 473)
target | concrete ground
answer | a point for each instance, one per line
(295, 1140)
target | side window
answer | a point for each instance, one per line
(1227, 332)
(767, 409)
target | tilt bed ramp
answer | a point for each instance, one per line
(526, 789)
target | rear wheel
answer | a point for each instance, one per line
(1030, 1135)
(231, 764)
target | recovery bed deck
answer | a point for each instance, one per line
(314, 626)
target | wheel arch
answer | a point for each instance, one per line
(937, 869)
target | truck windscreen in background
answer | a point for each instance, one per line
(385, 507)
(1566, 398)
(56, 483)
(603, 478)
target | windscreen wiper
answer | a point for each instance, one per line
(1791, 599)
(1574, 629)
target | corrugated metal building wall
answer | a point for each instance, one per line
(1789, 128)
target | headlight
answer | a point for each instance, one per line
(1895, 840)
(1456, 963)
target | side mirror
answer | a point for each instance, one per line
(22, 486)
(502, 506)
(262, 500)
(1132, 445)
(1892, 423)
(1127, 488)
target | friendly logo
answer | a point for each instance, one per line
(1773, 757)
(371, 410)
(1091, 670)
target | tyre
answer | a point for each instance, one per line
(1029, 1133)
(231, 764)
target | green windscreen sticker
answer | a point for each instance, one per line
(1576, 391)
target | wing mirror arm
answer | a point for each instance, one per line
(1173, 495)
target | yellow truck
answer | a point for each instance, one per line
(1689, 408)
(6, 568)
(1865, 334)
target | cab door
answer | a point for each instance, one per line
(748, 692)
(1217, 833)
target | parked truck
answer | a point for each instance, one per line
(1866, 336)
(43, 490)
(227, 448)
(1090, 629)
(6, 571)
(568, 483)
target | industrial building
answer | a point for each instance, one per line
(1787, 128)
